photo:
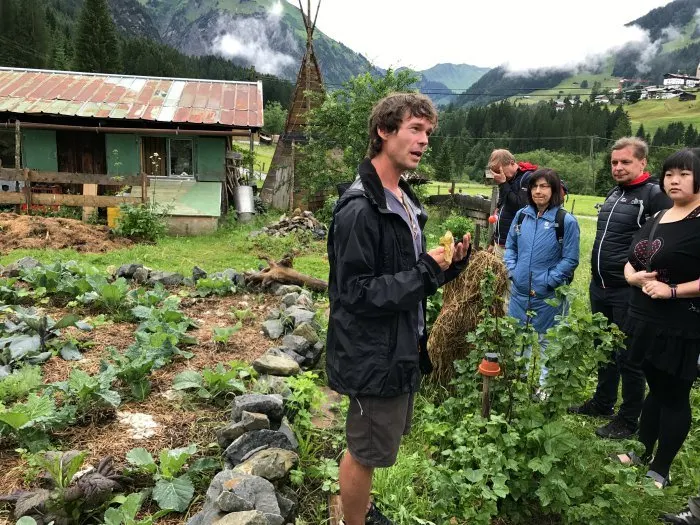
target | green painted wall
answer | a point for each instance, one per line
(122, 154)
(211, 161)
(39, 150)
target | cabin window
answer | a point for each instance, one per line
(164, 156)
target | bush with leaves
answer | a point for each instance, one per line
(89, 394)
(214, 384)
(214, 285)
(526, 460)
(132, 369)
(29, 423)
(458, 225)
(171, 491)
(142, 222)
(20, 383)
(128, 509)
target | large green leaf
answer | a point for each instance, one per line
(174, 494)
(188, 379)
(23, 345)
(141, 389)
(141, 458)
(110, 397)
(14, 418)
(26, 520)
(70, 352)
(171, 461)
(66, 321)
(112, 517)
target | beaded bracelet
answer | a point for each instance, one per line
(673, 291)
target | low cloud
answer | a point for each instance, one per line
(248, 40)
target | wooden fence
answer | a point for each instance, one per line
(88, 180)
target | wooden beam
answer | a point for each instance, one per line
(88, 190)
(58, 177)
(7, 197)
(96, 201)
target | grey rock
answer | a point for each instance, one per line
(198, 273)
(288, 502)
(188, 281)
(25, 263)
(165, 278)
(237, 450)
(127, 270)
(313, 355)
(267, 384)
(290, 299)
(305, 301)
(282, 351)
(273, 328)
(274, 519)
(269, 404)
(231, 274)
(296, 343)
(307, 331)
(271, 464)
(276, 365)
(252, 491)
(287, 288)
(141, 275)
(209, 515)
(228, 434)
(250, 517)
(273, 314)
(286, 429)
(300, 315)
(231, 502)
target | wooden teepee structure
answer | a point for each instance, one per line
(278, 190)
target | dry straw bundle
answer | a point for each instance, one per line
(462, 303)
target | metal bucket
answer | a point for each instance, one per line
(243, 202)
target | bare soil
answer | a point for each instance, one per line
(32, 231)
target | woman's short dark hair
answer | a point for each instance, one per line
(552, 178)
(685, 159)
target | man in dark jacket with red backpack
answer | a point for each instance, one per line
(380, 278)
(634, 199)
(512, 178)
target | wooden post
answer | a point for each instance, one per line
(492, 209)
(89, 189)
(27, 190)
(291, 180)
(452, 188)
(144, 187)
(573, 204)
(251, 174)
(18, 157)
(477, 236)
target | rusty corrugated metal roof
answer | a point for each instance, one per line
(124, 97)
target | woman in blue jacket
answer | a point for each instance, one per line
(539, 255)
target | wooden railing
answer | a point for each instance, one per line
(30, 198)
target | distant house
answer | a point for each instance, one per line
(90, 130)
(685, 96)
(680, 80)
(602, 99)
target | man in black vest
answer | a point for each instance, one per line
(625, 210)
(380, 278)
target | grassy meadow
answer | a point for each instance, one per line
(657, 113)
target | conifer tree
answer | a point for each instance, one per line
(96, 45)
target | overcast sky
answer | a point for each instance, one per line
(538, 33)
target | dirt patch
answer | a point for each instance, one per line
(29, 231)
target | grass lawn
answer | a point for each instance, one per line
(657, 113)
(263, 156)
(576, 204)
(227, 248)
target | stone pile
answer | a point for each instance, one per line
(258, 443)
(299, 221)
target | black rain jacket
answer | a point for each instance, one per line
(375, 287)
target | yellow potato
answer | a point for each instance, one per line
(448, 242)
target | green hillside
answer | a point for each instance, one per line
(658, 113)
(455, 76)
(571, 86)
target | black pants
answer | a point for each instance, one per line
(613, 303)
(666, 417)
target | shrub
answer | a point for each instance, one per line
(458, 225)
(142, 222)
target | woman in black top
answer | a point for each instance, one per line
(664, 315)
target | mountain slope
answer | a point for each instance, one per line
(267, 34)
(455, 76)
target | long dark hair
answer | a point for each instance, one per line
(552, 178)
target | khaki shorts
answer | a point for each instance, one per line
(374, 428)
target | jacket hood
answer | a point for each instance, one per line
(526, 166)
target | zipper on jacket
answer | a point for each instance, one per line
(600, 246)
(639, 216)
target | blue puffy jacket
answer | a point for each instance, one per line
(537, 263)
